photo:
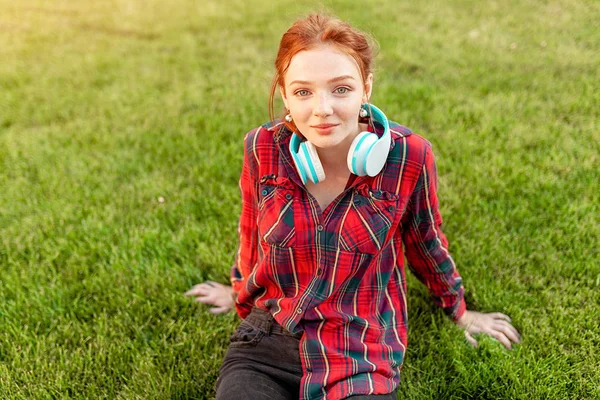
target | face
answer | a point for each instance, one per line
(324, 92)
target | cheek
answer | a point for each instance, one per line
(349, 110)
(302, 112)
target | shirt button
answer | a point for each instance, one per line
(299, 311)
(265, 192)
(319, 271)
(288, 196)
(391, 208)
(320, 228)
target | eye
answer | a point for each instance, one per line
(302, 93)
(342, 90)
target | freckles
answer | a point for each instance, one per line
(347, 106)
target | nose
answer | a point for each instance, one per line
(323, 105)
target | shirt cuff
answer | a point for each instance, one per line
(458, 310)
(236, 284)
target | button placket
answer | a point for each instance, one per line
(321, 230)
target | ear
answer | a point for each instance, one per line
(368, 88)
(285, 102)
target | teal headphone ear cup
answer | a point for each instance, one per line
(359, 152)
(376, 157)
(311, 162)
(368, 152)
(306, 160)
(294, 147)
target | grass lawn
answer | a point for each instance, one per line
(108, 105)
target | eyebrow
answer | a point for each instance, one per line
(339, 78)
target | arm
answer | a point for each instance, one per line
(247, 254)
(428, 258)
(218, 295)
(426, 246)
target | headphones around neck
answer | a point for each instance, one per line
(366, 156)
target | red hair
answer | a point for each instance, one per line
(313, 31)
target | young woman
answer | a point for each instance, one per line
(334, 197)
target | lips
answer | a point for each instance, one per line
(324, 126)
(324, 129)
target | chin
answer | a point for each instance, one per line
(325, 142)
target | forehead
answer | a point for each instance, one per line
(320, 65)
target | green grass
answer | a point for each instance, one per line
(107, 105)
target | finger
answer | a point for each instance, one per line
(474, 329)
(199, 289)
(471, 340)
(509, 326)
(499, 336)
(196, 292)
(204, 299)
(219, 310)
(509, 331)
(500, 316)
(193, 291)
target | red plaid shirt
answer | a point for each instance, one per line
(338, 274)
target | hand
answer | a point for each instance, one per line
(497, 325)
(213, 294)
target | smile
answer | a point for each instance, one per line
(324, 129)
(324, 125)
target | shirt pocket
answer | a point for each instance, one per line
(276, 213)
(369, 219)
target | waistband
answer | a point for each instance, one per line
(264, 321)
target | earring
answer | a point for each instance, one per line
(288, 117)
(363, 113)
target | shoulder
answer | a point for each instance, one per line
(260, 134)
(260, 145)
(263, 135)
(409, 146)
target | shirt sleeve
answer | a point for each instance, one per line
(246, 256)
(426, 246)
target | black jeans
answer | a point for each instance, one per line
(263, 362)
